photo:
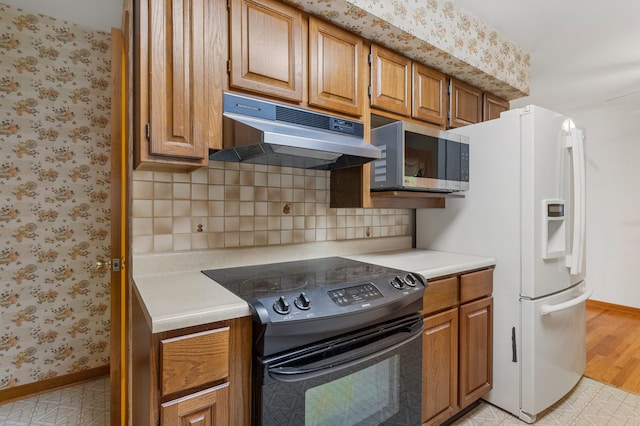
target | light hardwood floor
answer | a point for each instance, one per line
(613, 345)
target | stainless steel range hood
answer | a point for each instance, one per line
(263, 132)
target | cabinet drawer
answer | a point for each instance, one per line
(208, 407)
(440, 294)
(194, 360)
(476, 285)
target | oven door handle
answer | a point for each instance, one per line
(345, 360)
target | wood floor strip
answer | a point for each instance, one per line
(613, 345)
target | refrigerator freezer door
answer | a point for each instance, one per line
(553, 349)
(546, 175)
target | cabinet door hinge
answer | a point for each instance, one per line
(370, 58)
(147, 131)
(369, 90)
(229, 66)
(228, 4)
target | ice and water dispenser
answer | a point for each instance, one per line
(554, 239)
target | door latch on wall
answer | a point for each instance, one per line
(113, 264)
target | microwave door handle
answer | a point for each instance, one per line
(575, 143)
(346, 360)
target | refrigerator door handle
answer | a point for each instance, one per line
(549, 309)
(576, 145)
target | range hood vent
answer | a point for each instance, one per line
(263, 132)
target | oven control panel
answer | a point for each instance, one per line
(356, 294)
(315, 303)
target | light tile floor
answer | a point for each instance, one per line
(87, 404)
(589, 403)
(84, 404)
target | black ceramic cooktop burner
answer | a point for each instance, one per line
(250, 282)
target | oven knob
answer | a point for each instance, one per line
(410, 280)
(282, 306)
(302, 302)
(397, 282)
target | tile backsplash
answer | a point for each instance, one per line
(242, 205)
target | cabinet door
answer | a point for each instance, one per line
(178, 91)
(476, 353)
(266, 48)
(493, 107)
(429, 95)
(466, 104)
(390, 81)
(440, 367)
(336, 65)
(207, 408)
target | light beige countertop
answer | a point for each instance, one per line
(428, 263)
(184, 299)
(175, 294)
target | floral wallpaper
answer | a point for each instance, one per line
(54, 191)
(437, 33)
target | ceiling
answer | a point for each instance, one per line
(581, 56)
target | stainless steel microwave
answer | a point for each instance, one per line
(419, 158)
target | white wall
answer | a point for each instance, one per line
(613, 200)
(96, 14)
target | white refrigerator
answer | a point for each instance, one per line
(526, 208)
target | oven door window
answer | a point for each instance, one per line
(377, 382)
(371, 393)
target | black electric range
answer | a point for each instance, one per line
(305, 301)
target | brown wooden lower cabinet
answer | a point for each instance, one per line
(476, 343)
(457, 352)
(197, 375)
(440, 367)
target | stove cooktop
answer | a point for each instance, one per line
(303, 301)
(275, 279)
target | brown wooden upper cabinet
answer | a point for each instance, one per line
(493, 107)
(429, 95)
(408, 88)
(177, 85)
(466, 104)
(337, 63)
(266, 48)
(390, 81)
